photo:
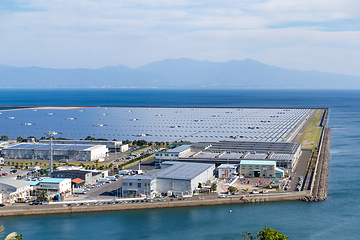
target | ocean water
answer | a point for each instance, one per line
(336, 218)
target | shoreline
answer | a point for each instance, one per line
(59, 209)
(318, 192)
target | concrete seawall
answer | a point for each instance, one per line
(58, 208)
(320, 178)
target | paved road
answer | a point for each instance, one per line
(300, 168)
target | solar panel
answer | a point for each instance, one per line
(153, 124)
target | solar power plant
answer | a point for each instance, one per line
(155, 124)
(206, 155)
(231, 156)
(256, 156)
(281, 157)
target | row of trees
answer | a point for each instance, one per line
(132, 143)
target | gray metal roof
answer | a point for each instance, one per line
(175, 170)
(242, 146)
(179, 149)
(41, 146)
(13, 182)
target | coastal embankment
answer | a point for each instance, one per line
(320, 175)
(59, 208)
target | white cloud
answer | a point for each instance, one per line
(304, 34)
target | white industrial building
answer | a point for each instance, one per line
(54, 186)
(12, 189)
(175, 178)
(61, 151)
(285, 154)
(174, 153)
(227, 171)
(112, 146)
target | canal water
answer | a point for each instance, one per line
(336, 218)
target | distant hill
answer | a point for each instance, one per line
(176, 73)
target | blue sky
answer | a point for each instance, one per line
(321, 35)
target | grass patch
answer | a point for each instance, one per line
(310, 137)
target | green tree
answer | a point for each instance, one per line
(89, 138)
(213, 187)
(4, 138)
(200, 185)
(32, 137)
(265, 234)
(232, 189)
(19, 139)
(42, 171)
(43, 195)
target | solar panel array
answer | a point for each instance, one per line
(281, 157)
(256, 156)
(155, 124)
(231, 155)
(206, 155)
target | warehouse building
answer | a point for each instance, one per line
(59, 187)
(260, 169)
(174, 153)
(285, 154)
(173, 178)
(90, 177)
(61, 151)
(227, 171)
(112, 146)
(12, 189)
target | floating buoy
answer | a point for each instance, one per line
(230, 210)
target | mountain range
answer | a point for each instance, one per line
(175, 73)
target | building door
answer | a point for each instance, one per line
(256, 173)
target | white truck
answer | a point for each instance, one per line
(112, 178)
(104, 180)
(79, 191)
(125, 172)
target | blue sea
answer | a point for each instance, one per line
(336, 218)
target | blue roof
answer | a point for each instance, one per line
(32, 183)
(53, 180)
(257, 162)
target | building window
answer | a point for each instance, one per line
(124, 184)
(139, 185)
(130, 184)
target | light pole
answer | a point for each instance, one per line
(51, 134)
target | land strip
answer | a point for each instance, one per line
(58, 208)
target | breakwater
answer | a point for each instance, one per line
(320, 175)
